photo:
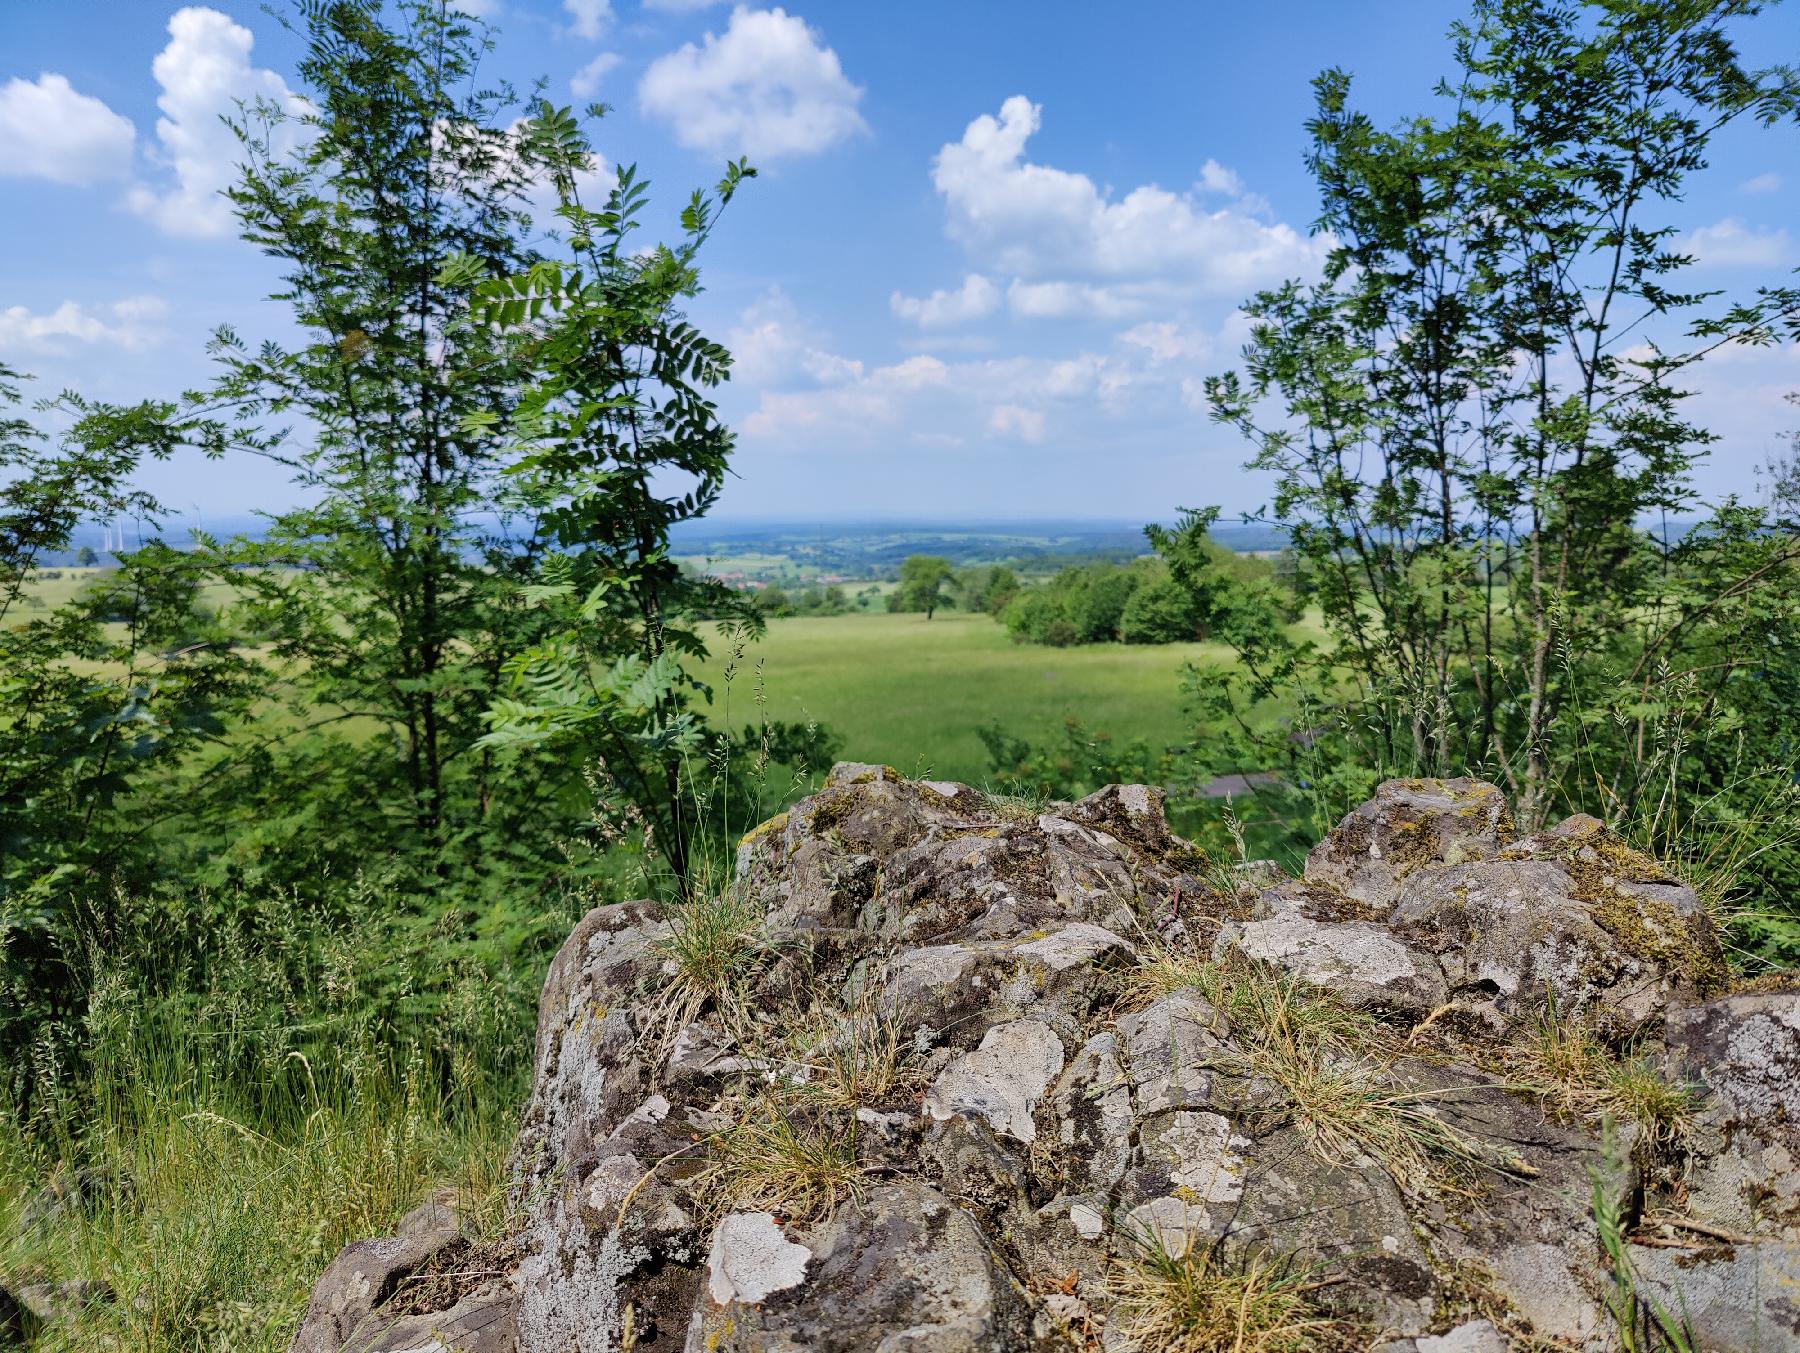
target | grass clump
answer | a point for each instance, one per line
(783, 1156)
(858, 1056)
(715, 941)
(1193, 1302)
(1574, 1072)
(213, 1216)
(1333, 1067)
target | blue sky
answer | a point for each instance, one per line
(993, 250)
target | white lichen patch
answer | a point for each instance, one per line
(751, 1259)
(1205, 1151)
(1171, 1225)
(1002, 1080)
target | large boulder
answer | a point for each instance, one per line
(987, 1071)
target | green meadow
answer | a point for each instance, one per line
(911, 692)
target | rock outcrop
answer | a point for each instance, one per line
(942, 1073)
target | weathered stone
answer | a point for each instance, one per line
(751, 1259)
(1408, 825)
(1170, 1047)
(1517, 933)
(587, 1069)
(1361, 962)
(1002, 1080)
(1744, 1052)
(906, 1271)
(1739, 1299)
(343, 1313)
(921, 935)
(1093, 1115)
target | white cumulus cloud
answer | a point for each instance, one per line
(768, 87)
(130, 323)
(975, 299)
(1016, 421)
(1762, 183)
(49, 130)
(1074, 249)
(204, 72)
(585, 83)
(589, 18)
(1732, 244)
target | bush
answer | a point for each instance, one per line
(1159, 612)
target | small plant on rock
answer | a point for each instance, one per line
(1195, 1302)
(715, 941)
(783, 1156)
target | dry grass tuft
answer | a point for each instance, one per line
(1568, 1068)
(858, 1056)
(1193, 1303)
(716, 942)
(1331, 1063)
(784, 1157)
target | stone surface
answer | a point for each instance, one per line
(906, 1271)
(1408, 826)
(1362, 962)
(345, 1311)
(1742, 1299)
(948, 1022)
(1002, 1080)
(751, 1259)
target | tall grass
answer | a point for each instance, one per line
(241, 1110)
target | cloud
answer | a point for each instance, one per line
(204, 72)
(49, 131)
(1762, 183)
(1167, 342)
(1074, 249)
(976, 299)
(1216, 178)
(768, 87)
(589, 18)
(1732, 244)
(585, 83)
(1011, 419)
(129, 323)
(481, 9)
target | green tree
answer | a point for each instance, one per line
(922, 581)
(1471, 417)
(615, 408)
(388, 196)
(97, 697)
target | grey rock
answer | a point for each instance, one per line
(906, 1271)
(1002, 1080)
(1363, 963)
(1408, 825)
(1046, 1115)
(751, 1259)
(1516, 932)
(1743, 1300)
(1743, 1051)
(345, 1310)
(1171, 1047)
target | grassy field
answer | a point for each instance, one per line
(911, 692)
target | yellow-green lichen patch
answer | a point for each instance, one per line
(778, 823)
(833, 812)
(1647, 926)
